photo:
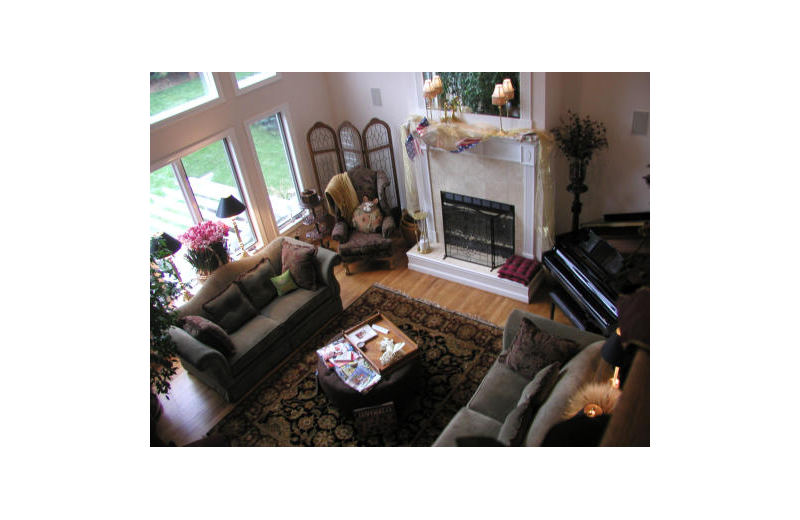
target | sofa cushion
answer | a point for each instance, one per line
(534, 349)
(284, 283)
(208, 332)
(256, 284)
(299, 260)
(468, 423)
(534, 394)
(585, 367)
(296, 306)
(230, 309)
(498, 393)
(252, 339)
(366, 244)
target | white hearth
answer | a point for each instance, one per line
(503, 170)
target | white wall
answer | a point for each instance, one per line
(352, 101)
(615, 175)
(306, 99)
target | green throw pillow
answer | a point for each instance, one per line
(284, 283)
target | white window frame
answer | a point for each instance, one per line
(174, 160)
(523, 90)
(174, 114)
(253, 82)
(285, 115)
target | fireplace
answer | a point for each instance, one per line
(477, 230)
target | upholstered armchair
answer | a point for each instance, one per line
(344, 193)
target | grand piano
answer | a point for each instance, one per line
(590, 275)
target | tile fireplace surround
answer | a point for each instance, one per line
(502, 170)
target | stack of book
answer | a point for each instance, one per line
(349, 364)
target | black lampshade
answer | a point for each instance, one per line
(613, 351)
(161, 241)
(229, 207)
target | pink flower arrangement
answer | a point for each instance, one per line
(202, 235)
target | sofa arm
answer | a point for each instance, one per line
(196, 352)
(326, 260)
(389, 226)
(341, 232)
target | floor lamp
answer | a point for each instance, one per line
(229, 207)
(163, 246)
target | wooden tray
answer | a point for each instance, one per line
(372, 348)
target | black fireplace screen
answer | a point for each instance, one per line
(477, 230)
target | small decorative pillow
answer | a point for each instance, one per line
(284, 283)
(210, 333)
(533, 349)
(516, 425)
(367, 218)
(256, 284)
(299, 259)
(230, 309)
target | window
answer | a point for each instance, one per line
(245, 80)
(474, 89)
(187, 191)
(174, 92)
(277, 167)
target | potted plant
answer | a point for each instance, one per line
(164, 289)
(207, 246)
(578, 139)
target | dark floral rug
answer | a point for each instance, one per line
(288, 409)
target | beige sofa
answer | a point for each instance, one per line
(263, 342)
(501, 389)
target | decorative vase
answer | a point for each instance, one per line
(577, 171)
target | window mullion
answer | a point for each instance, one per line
(186, 188)
(289, 160)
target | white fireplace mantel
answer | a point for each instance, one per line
(509, 150)
(435, 263)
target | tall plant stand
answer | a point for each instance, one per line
(577, 174)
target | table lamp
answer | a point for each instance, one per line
(613, 353)
(229, 207)
(163, 246)
(508, 93)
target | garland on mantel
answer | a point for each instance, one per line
(457, 136)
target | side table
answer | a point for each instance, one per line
(323, 224)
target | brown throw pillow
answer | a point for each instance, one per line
(230, 309)
(299, 260)
(534, 349)
(516, 425)
(210, 333)
(256, 284)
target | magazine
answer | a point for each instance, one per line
(361, 335)
(358, 375)
(337, 350)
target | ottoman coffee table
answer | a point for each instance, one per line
(398, 383)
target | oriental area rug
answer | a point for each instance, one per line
(288, 408)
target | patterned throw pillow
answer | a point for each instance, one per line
(534, 349)
(230, 309)
(299, 259)
(284, 283)
(367, 218)
(210, 333)
(256, 284)
(516, 425)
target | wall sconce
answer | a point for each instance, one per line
(498, 100)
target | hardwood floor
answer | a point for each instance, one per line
(193, 408)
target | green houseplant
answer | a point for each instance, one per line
(164, 289)
(578, 139)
